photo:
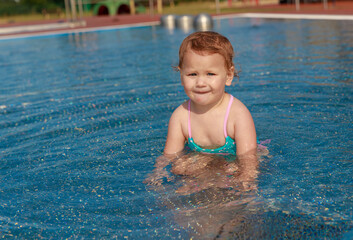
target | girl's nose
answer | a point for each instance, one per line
(200, 82)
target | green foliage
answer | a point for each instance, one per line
(11, 7)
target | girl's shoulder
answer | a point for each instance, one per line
(238, 109)
(237, 104)
(181, 112)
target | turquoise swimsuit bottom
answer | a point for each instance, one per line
(228, 148)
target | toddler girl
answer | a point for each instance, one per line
(211, 121)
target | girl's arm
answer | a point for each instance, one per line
(245, 137)
(174, 144)
(245, 133)
(175, 138)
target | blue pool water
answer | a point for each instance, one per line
(83, 118)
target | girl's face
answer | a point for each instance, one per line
(204, 77)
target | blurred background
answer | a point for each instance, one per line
(28, 10)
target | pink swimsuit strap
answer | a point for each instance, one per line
(225, 118)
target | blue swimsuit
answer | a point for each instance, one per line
(228, 148)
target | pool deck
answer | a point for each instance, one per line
(337, 10)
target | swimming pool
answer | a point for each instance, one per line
(84, 116)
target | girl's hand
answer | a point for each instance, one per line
(156, 177)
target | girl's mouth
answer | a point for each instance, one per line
(201, 92)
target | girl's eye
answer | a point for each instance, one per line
(211, 74)
(192, 74)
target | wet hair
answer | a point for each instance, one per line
(208, 43)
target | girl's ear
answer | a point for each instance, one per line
(230, 76)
